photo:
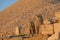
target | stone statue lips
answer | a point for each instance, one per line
(6, 3)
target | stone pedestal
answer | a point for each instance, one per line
(55, 36)
(46, 29)
(16, 30)
(57, 27)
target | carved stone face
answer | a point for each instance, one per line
(6, 3)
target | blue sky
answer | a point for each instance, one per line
(6, 3)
